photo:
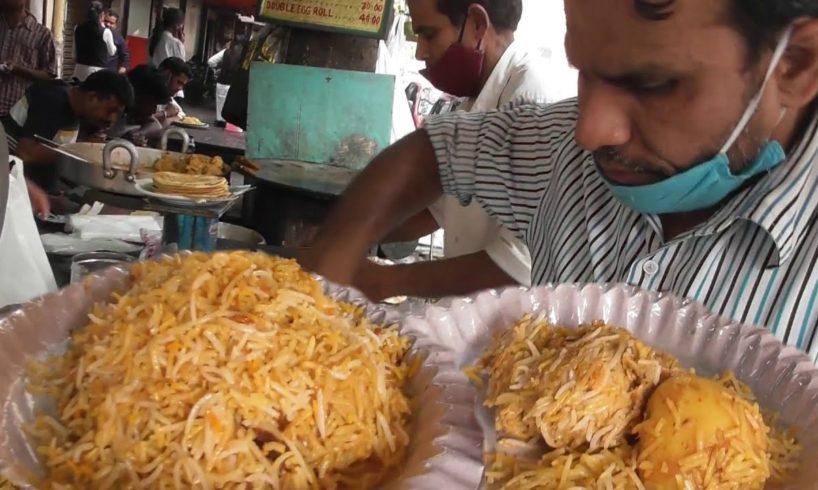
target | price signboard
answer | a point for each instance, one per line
(367, 18)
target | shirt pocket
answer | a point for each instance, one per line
(26, 56)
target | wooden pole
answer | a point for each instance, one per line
(57, 30)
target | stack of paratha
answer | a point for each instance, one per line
(192, 186)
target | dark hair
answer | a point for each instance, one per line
(177, 66)
(171, 17)
(112, 13)
(760, 22)
(147, 81)
(107, 83)
(94, 10)
(504, 14)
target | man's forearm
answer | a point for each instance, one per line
(399, 183)
(32, 74)
(418, 226)
(31, 152)
(436, 279)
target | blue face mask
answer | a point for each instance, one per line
(709, 182)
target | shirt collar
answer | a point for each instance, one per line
(491, 94)
(781, 203)
(28, 21)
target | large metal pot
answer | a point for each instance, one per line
(112, 167)
(236, 233)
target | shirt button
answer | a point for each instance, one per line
(650, 267)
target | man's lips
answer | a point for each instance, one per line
(619, 174)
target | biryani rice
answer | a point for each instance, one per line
(224, 371)
(535, 369)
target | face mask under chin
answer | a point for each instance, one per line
(711, 181)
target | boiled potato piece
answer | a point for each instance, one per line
(697, 434)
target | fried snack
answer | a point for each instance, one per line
(193, 164)
(229, 371)
(170, 164)
(194, 186)
(192, 120)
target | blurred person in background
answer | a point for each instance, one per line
(27, 52)
(120, 61)
(54, 110)
(176, 74)
(93, 43)
(469, 50)
(139, 123)
(225, 64)
(168, 38)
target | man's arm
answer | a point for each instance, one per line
(33, 153)
(123, 55)
(399, 183)
(418, 226)
(434, 279)
(505, 160)
(108, 37)
(30, 73)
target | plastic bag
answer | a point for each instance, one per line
(24, 269)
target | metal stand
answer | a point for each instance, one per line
(190, 228)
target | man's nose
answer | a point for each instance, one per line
(603, 116)
(421, 51)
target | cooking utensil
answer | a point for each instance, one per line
(235, 233)
(163, 144)
(74, 168)
(53, 145)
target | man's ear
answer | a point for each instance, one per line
(797, 75)
(479, 18)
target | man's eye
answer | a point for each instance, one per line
(653, 87)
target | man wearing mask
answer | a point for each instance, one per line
(687, 165)
(469, 50)
(27, 52)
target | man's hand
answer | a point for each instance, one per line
(40, 201)
(171, 111)
(398, 184)
(122, 70)
(6, 68)
(371, 278)
(98, 137)
(137, 138)
(25, 72)
(432, 279)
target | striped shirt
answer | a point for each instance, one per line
(30, 45)
(753, 261)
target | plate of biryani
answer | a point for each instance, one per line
(226, 370)
(611, 387)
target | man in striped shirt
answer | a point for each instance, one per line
(687, 165)
(27, 52)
